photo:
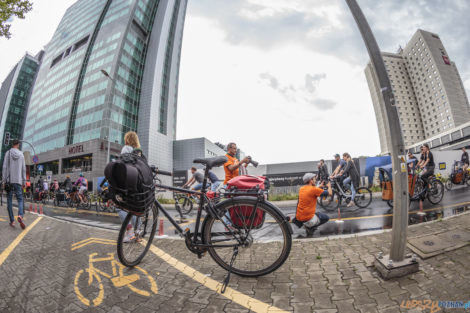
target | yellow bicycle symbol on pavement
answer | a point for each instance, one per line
(89, 287)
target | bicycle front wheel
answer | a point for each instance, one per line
(261, 237)
(136, 235)
(363, 197)
(185, 204)
(436, 192)
(330, 203)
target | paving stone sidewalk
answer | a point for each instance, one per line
(321, 275)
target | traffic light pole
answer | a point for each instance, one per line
(395, 264)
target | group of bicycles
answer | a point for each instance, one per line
(64, 198)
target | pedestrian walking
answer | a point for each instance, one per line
(14, 176)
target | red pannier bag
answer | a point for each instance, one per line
(241, 216)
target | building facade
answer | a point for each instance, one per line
(14, 99)
(111, 67)
(429, 93)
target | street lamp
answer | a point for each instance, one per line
(395, 264)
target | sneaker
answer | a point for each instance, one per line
(12, 224)
(310, 231)
(350, 204)
(128, 236)
(20, 220)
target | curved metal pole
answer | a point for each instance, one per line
(394, 137)
(32, 147)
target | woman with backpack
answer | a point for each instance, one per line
(131, 144)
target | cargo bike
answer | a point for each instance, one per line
(458, 176)
(243, 232)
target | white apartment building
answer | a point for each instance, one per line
(428, 90)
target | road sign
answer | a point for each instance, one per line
(40, 168)
(35, 159)
(49, 176)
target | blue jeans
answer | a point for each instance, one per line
(15, 188)
(198, 186)
(122, 216)
(347, 183)
(215, 185)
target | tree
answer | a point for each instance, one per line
(10, 8)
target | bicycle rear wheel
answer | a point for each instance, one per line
(436, 192)
(263, 245)
(363, 197)
(135, 231)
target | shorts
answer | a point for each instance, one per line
(198, 186)
(82, 189)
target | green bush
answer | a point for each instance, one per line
(166, 201)
(282, 197)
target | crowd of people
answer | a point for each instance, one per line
(315, 185)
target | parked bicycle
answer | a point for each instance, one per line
(235, 231)
(362, 199)
(105, 203)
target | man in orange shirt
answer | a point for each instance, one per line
(306, 207)
(231, 167)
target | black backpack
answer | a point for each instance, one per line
(131, 183)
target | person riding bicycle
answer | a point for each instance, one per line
(306, 214)
(215, 181)
(40, 184)
(231, 167)
(464, 159)
(339, 167)
(353, 178)
(412, 162)
(322, 171)
(427, 165)
(55, 185)
(82, 184)
(197, 178)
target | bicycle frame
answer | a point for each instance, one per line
(210, 208)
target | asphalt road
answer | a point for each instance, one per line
(352, 220)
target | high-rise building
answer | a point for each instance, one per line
(429, 93)
(111, 67)
(14, 99)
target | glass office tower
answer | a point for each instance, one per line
(76, 111)
(14, 98)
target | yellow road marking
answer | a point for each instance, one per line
(4, 255)
(92, 240)
(231, 294)
(2, 220)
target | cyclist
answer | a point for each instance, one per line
(427, 165)
(45, 189)
(322, 171)
(231, 167)
(197, 178)
(413, 161)
(215, 181)
(55, 185)
(339, 167)
(306, 207)
(353, 178)
(464, 159)
(82, 184)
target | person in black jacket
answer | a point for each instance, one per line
(323, 171)
(353, 177)
(67, 184)
(464, 159)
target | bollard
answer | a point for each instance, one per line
(30, 208)
(160, 228)
(339, 220)
(35, 208)
(40, 210)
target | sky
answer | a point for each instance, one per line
(283, 79)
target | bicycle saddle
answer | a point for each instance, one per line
(212, 162)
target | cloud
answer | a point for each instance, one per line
(323, 104)
(273, 82)
(328, 26)
(311, 81)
